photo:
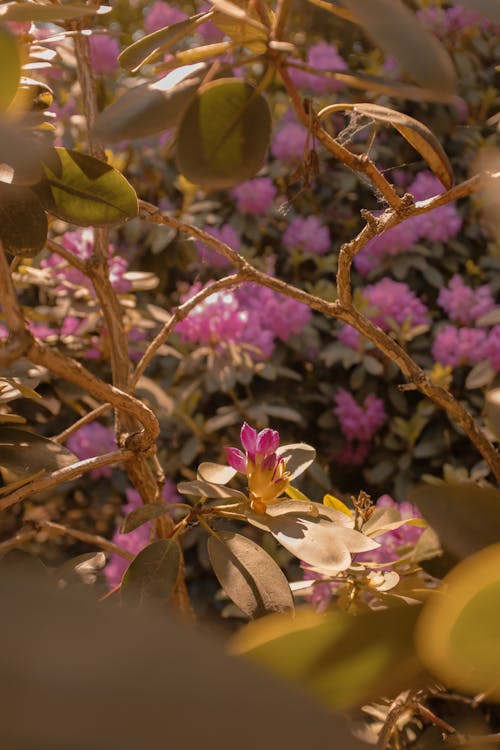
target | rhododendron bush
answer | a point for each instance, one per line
(250, 336)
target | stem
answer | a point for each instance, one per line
(83, 536)
(17, 540)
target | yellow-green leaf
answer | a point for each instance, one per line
(224, 134)
(85, 191)
(333, 502)
(10, 67)
(458, 633)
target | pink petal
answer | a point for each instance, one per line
(267, 441)
(269, 462)
(248, 437)
(236, 459)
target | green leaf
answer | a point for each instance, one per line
(465, 517)
(85, 191)
(10, 65)
(47, 12)
(489, 8)
(458, 634)
(248, 575)
(23, 223)
(416, 133)
(150, 107)
(224, 134)
(345, 660)
(151, 46)
(143, 514)
(23, 452)
(151, 576)
(246, 32)
(396, 29)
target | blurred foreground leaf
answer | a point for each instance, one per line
(23, 452)
(345, 660)
(458, 634)
(10, 65)
(23, 222)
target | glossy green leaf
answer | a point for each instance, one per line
(465, 517)
(10, 65)
(150, 107)
(151, 46)
(47, 12)
(23, 452)
(23, 222)
(489, 8)
(458, 634)
(85, 191)
(394, 27)
(248, 575)
(345, 660)
(143, 514)
(151, 576)
(224, 134)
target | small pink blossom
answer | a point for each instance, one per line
(161, 15)
(289, 142)
(104, 51)
(307, 234)
(460, 346)
(464, 304)
(93, 440)
(322, 56)
(359, 422)
(255, 196)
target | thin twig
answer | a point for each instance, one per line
(91, 416)
(17, 540)
(83, 536)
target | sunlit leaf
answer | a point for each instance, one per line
(199, 488)
(243, 33)
(458, 634)
(400, 34)
(383, 520)
(10, 65)
(150, 107)
(23, 452)
(151, 46)
(85, 191)
(322, 537)
(345, 660)
(82, 569)
(298, 456)
(143, 514)
(489, 8)
(416, 133)
(336, 10)
(465, 517)
(224, 134)
(333, 502)
(46, 12)
(216, 473)
(248, 575)
(151, 576)
(23, 222)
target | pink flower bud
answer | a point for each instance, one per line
(236, 459)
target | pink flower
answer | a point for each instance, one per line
(492, 347)
(307, 234)
(226, 234)
(255, 196)
(395, 543)
(161, 15)
(394, 300)
(104, 51)
(460, 346)
(93, 440)
(289, 142)
(322, 56)
(463, 304)
(359, 422)
(266, 471)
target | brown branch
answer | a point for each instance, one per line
(361, 164)
(91, 416)
(64, 475)
(93, 539)
(398, 707)
(19, 336)
(21, 538)
(68, 256)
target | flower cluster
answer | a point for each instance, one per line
(439, 225)
(225, 233)
(255, 196)
(388, 303)
(104, 51)
(265, 469)
(359, 424)
(93, 440)
(454, 20)
(463, 304)
(251, 315)
(321, 56)
(81, 243)
(136, 540)
(162, 14)
(289, 142)
(307, 234)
